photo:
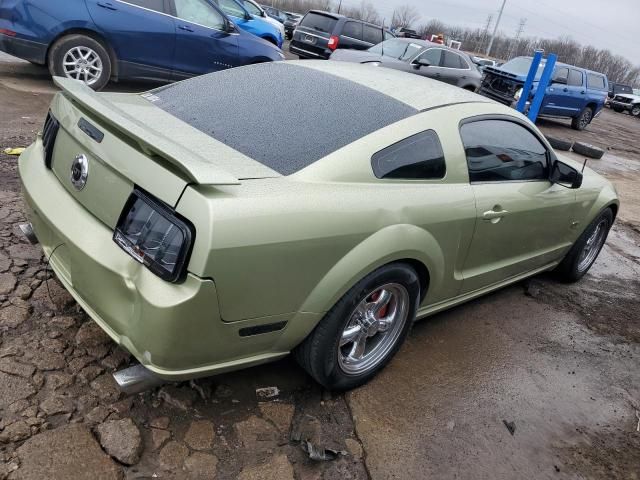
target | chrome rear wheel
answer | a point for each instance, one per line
(592, 246)
(373, 329)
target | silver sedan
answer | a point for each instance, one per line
(420, 57)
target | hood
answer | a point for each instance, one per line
(634, 98)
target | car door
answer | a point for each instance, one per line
(431, 55)
(203, 43)
(141, 34)
(565, 99)
(453, 67)
(523, 221)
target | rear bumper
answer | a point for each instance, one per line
(174, 330)
(304, 53)
(26, 49)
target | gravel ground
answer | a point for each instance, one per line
(539, 380)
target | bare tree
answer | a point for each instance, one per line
(366, 12)
(404, 16)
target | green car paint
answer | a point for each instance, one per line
(272, 249)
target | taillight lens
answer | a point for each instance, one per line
(155, 236)
(6, 31)
(333, 42)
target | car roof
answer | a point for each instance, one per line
(299, 112)
(339, 16)
(562, 64)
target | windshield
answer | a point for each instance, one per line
(521, 65)
(398, 49)
(252, 8)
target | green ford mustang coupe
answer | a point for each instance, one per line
(315, 208)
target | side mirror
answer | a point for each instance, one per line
(559, 80)
(421, 62)
(230, 27)
(564, 175)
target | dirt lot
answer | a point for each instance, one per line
(540, 380)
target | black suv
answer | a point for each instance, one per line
(319, 34)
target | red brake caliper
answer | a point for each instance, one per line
(383, 312)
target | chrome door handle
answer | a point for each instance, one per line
(186, 28)
(494, 214)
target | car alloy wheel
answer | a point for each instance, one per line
(585, 119)
(82, 63)
(635, 111)
(373, 329)
(592, 246)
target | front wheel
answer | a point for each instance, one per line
(635, 110)
(586, 249)
(364, 330)
(81, 58)
(618, 109)
(582, 121)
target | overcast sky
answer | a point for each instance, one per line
(612, 24)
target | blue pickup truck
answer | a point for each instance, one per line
(574, 92)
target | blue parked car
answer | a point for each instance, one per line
(574, 92)
(237, 11)
(98, 40)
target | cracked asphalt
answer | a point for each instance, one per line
(539, 380)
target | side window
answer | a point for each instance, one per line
(418, 157)
(155, 5)
(372, 35)
(451, 60)
(353, 30)
(500, 150)
(562, 73)
(575, 78)
(200, 12)
(432, 56)
(252, 9)
(595, 81)
(230, 7)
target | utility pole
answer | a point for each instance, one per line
(481, 40)
(495, 29)
(514, 44)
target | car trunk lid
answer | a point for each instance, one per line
(128, 143)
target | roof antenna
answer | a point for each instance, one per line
(584, 164)
(382, 45)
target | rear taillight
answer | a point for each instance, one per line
(333, 42)
(49, 133)
(154, 235)
(7, 32)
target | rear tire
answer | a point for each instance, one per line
(583, 120)
(586, 249)
(635, 111)
(618, 109)
(81, 57)
(331, 353)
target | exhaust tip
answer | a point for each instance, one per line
(29, 234)
(136, 379)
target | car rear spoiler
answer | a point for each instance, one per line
(196, 168)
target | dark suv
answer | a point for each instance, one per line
(319, 34)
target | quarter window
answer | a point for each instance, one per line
(372, 34)
(200, 12)
(500, 150)
(155, 5)
(353, 30)
(417, 157)
(575, 78)
(595, 81)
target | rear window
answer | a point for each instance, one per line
(396, 48)
(319, 22)
(596, 81)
